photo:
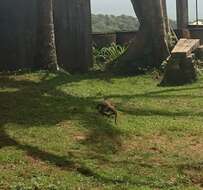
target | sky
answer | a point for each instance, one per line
(118, 7)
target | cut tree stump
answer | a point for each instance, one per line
(180, 68)
(185, 47)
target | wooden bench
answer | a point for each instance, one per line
(185, 47)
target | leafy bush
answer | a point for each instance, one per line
(105, 59)
(107, 55)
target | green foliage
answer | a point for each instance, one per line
(199, 66)
(51, 136)
(111, 23)
(112, 52)
(107, 55)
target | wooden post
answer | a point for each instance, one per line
(182, 18)
(197, 13)
(164, 5)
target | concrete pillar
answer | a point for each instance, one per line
(182, 18)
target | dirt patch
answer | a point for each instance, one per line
(191, 146)
(37, 163)
(195, 173)
(150, 143)
(65, 124)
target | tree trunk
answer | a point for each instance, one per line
(152, 39)
(47, 46)
(72, 19)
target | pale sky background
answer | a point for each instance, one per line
(118, 7)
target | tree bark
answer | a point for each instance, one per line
(47, 46)
(152, 36)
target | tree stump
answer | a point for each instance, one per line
(181, 65)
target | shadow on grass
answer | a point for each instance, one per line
(62, 162)
(43, 104)
(154, 112)
(159, 94)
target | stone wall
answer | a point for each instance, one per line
(123, 38)
(105, 39)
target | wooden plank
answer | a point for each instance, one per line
(186, 46)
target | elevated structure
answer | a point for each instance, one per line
(182, 18)
(186, 30)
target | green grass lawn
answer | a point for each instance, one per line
(51, 136)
